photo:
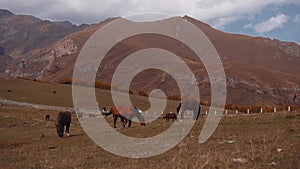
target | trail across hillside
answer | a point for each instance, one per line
(33, 105)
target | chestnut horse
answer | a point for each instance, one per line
(126, 113)
(189, 105)
(63, 119)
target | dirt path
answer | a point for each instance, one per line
(33, 105)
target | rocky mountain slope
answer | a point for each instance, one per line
(259, 71)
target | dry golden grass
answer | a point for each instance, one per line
(28, 141)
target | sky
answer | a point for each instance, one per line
(276, 19)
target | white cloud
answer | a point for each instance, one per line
(272, 23)
(296, 18)
(248, 26)
(216, 12)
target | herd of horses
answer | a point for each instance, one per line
(126, 113)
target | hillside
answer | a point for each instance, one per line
(259, 70)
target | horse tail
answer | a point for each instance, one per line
(196, 116)
(178, 108)
(175, 117)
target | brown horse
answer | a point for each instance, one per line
(189, 105)
(126, 113)
(63, 119)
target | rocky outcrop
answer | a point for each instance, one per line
(23, 34)
(63, 48)
(290, 48)
(35, 67)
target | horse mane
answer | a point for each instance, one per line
(60, 118)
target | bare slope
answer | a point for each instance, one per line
(259, 70)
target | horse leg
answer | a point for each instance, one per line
(68, 129)
(196, 114)
(181, 113)
(115, 120)
(129, 123)
(124, 120)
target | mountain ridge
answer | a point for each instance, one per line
(269, 73)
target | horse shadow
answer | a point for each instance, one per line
(76, 135)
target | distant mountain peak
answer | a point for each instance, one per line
(5, 13)
(66, 24)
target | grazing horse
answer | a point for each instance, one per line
(63, 119)
(126, 113)
(189, 105)
(169, 116)
(47, 117)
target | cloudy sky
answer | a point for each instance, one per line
(278, 19)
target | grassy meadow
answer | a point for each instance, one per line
(269, 140)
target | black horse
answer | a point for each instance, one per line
(63, 119)
(192, 105)
(126, 113)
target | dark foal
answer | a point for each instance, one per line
(47, 117)
(171, 116)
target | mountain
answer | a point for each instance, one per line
(21, 35)
(66, 24)
(259, 71)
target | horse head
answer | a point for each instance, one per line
(60, 130)
(139, 115)
(141, 119)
